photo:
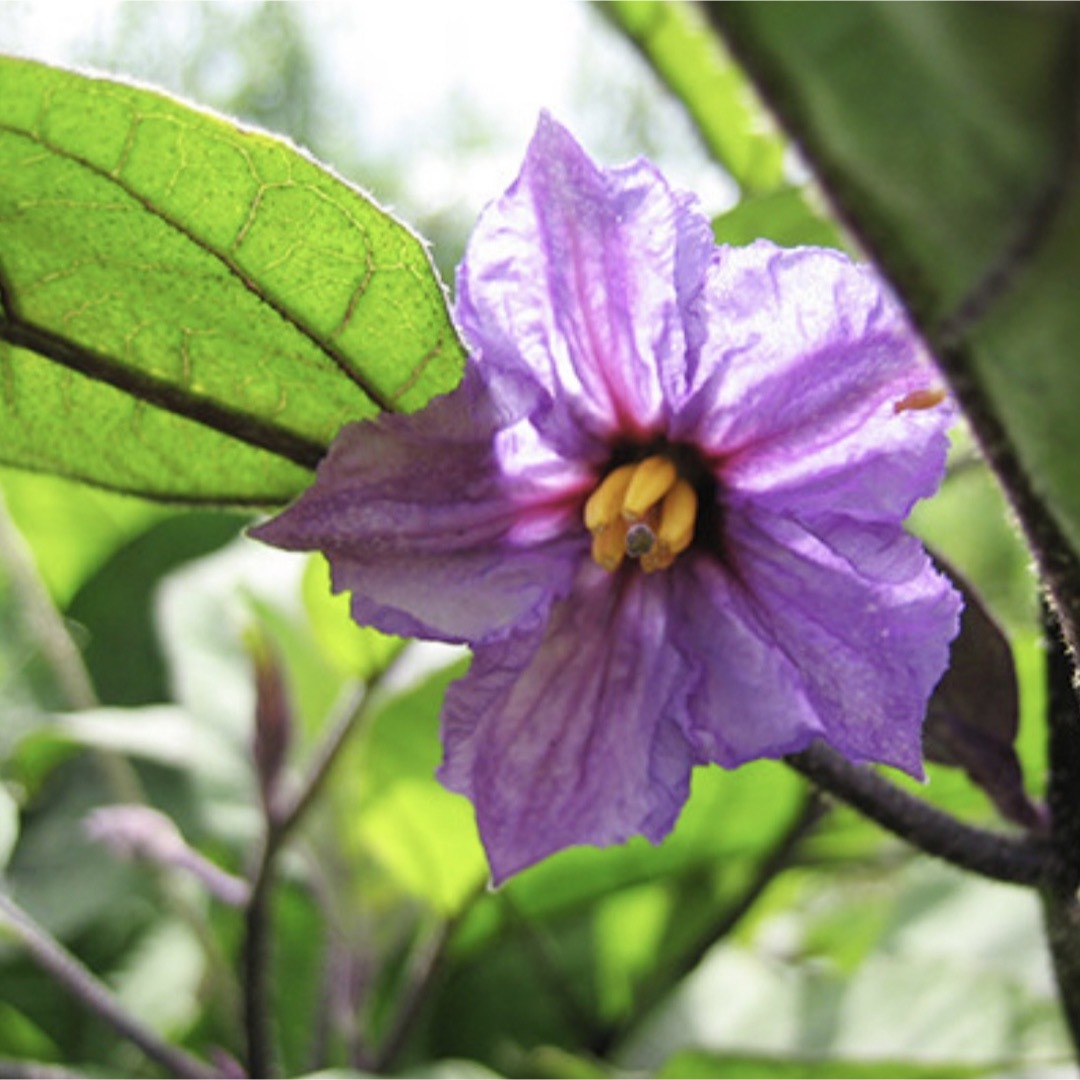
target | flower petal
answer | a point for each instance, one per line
(798, 389)
(440, 524)
(564, 736)
(746, 697)
(585, 278)
(861, 615)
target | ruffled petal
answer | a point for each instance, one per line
(746, 699)
(861, 621)
(808, 387)
(440, 523)
(586, 278)
(564, 737)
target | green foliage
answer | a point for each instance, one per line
(787, 216)
(699, 72)
(695, 1064)
(947, 134)
(189, 310)
(206, 294)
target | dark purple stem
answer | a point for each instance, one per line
(1061, 907)
(1017, 860)
(82, 984)
(282, 816)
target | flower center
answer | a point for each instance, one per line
(644, 510)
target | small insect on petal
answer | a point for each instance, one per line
(921, 399)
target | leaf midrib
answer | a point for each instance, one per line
(376, 396)
(155, 391)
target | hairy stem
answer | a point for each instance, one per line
(1061, 907)
(262, 1057)
(82, 984)
(1017, 860)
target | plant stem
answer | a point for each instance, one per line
(281, 819)
(1017, 860)
(67, 970)
(1061, 908)
(774, 863)
(258, 1028)
(424, 970)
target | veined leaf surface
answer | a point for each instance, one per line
(190, 310)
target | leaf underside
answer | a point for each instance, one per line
(190, 310)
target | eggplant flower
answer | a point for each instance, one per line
(664, 508)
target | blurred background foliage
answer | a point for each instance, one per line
(772, 935)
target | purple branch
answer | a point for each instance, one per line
(1017, 860)
(81, 983)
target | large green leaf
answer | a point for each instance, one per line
(946, 135)
(188, 309)
(676, 42)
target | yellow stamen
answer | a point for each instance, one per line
(675, 531)
(678, 516)
(657, 560)
(644, 511)
(605, 503)
(609, 545)
(652, 479)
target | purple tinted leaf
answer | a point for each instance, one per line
(974, 714)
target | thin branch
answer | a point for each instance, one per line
(280, 821)
(355, 711)
(82, 984)
(424, 971)
(262, 1057)
(1017, 860)
(775, 862)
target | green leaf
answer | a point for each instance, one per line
(676, 41)
(955, 980)
(114, 608)
(189, 310)
(946, 135)
(691, 1064)
(786, 216)
(359, 651)
(71, 528)
(422, 835)
(159, 981)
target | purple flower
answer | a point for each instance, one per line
(664, 508)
